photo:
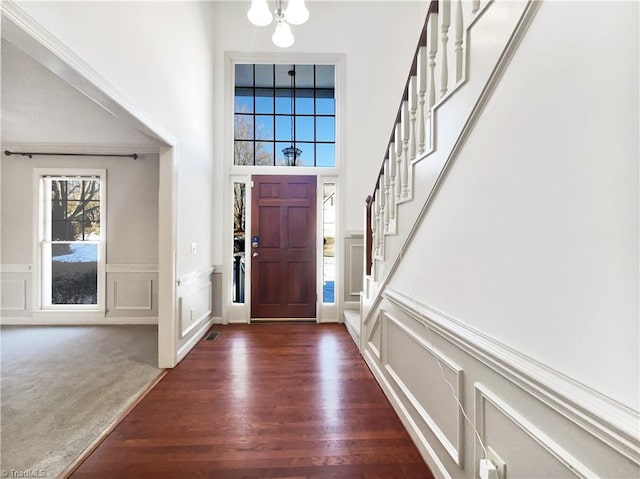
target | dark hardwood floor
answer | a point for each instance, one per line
(263, 401)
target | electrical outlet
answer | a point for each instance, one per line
(501, 466)
(194, 248)
(488, 469)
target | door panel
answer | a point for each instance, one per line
(283, 265)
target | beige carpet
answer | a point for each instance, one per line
(62, 386)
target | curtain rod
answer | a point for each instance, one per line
(31, 154)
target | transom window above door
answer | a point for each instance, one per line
(284, 115)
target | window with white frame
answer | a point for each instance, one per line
(72, 242)
(284, 115)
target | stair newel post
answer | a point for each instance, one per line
(413, 109)
(459, 22)
(405, 148)
(387, 212)
(422, 89)
(398, 139)
(432, 46)
(392, 182)
(444, 13)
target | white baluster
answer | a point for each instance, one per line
(405, 122)
(413, 108)
(432, 46)
(387, 212)
(392, 182)
(398, 138)
(381, 220)
(422, 89)
(374, 225)
(459, 40)
(444, 13)
(475, 6)
(383, 203)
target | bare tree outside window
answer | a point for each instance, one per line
(74, 236)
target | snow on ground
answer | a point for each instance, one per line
(80, 253)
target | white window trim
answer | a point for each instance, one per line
(40, 306)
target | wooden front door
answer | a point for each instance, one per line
(283, 263)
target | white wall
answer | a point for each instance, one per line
(40, 107)
(159, 55)
(377, 40)
(533, 237)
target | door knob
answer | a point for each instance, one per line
(255, 255)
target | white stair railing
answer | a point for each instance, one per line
(413, 133)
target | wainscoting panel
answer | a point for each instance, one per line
(14, 295)
(375, 336)
(354, 267)
(432, 400)
(522, 445)
(132, 294)
(534, 419)
(132, 291)
(195, 302)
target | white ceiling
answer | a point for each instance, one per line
(38, 107)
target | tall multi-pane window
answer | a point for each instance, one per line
(285, 115)
(71, 241)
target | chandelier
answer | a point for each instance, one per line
(296, 13)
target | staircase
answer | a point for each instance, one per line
(466, 395)
(461, 53)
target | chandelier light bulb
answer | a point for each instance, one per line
(283, 37)
(259, 13)
(296, 13)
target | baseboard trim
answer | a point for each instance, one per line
(190, 344)
(103, 321)
(428, 453)
(98, 440)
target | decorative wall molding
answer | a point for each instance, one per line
(14, 295)
(190, 277)
(355, 273)
(132, 294)
(409, 423)
(374, 341)
(611, 422)
(195, 307)
(456, 451)
(132, 268)
(16, 268)
(483, 396)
